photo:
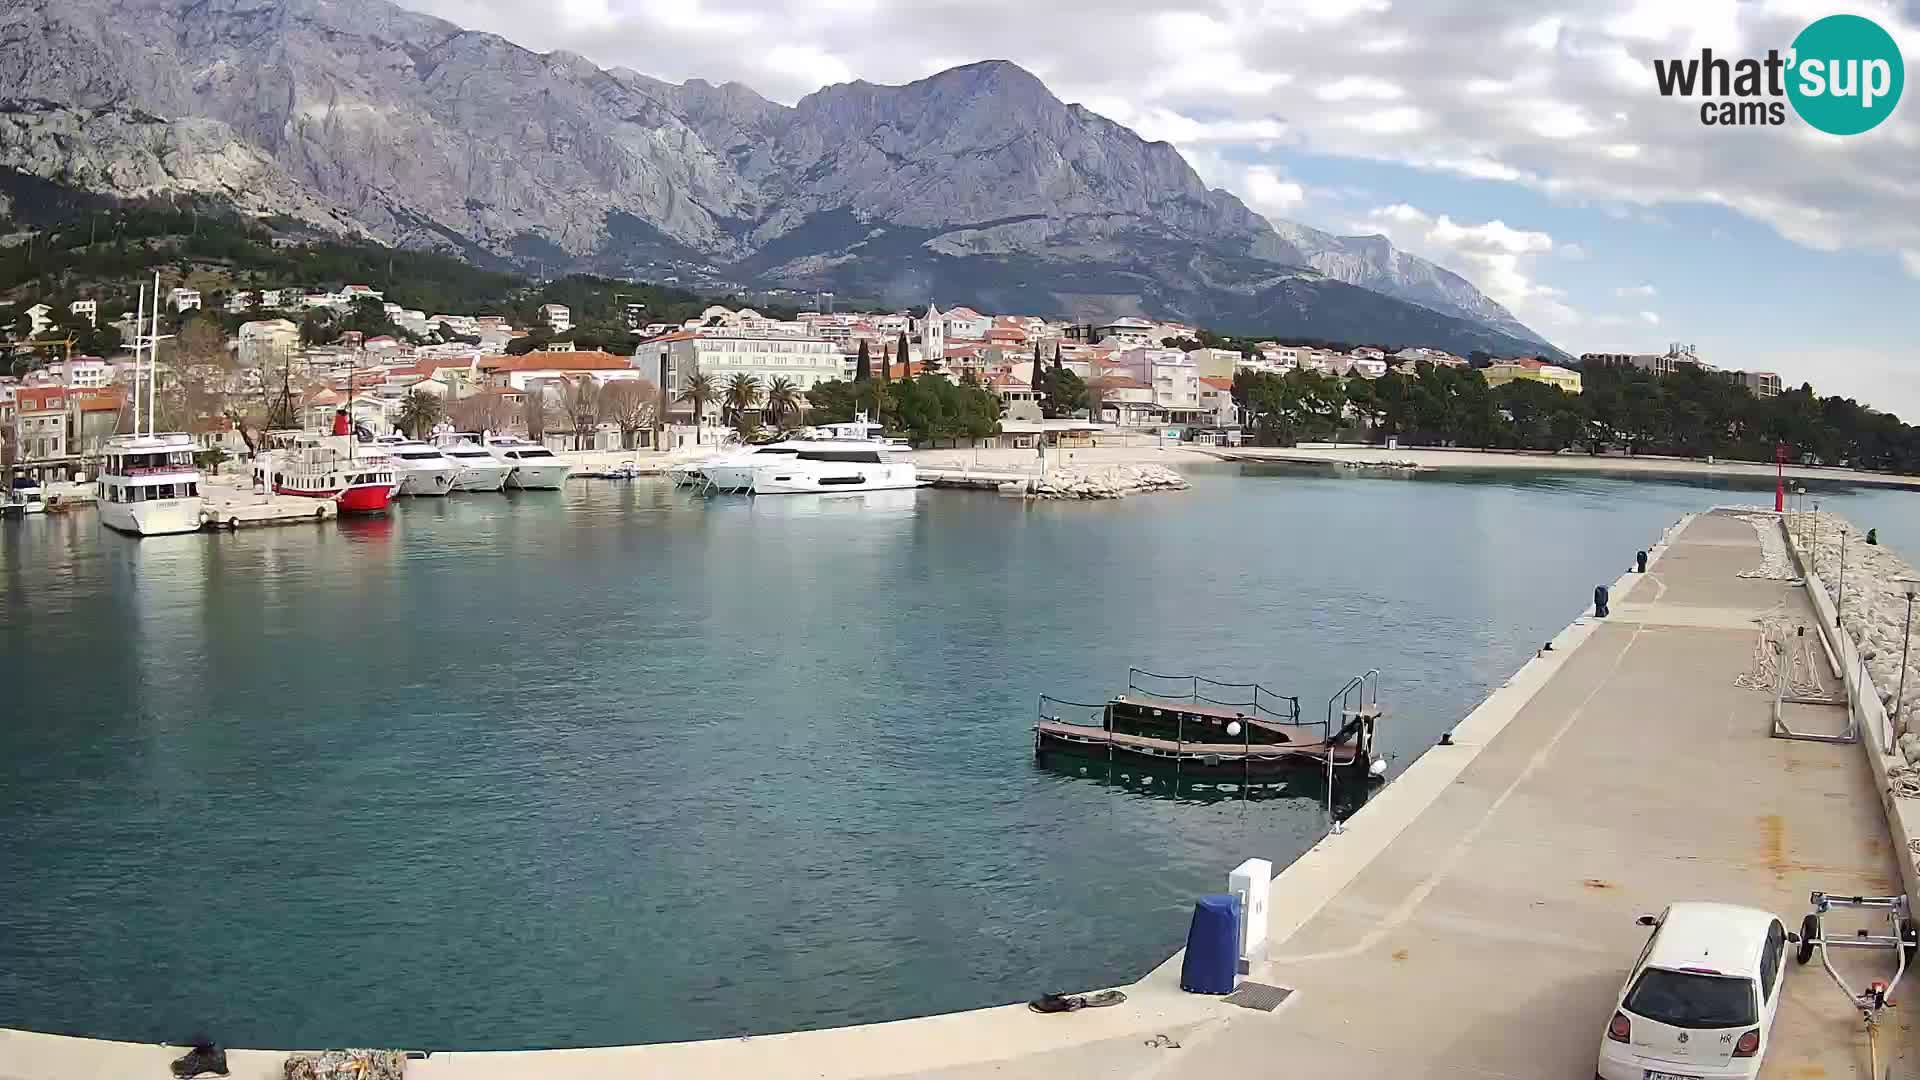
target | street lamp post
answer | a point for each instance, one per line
(1900, 695)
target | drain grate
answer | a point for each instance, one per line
(1253, 995)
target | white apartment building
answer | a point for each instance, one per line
(239, 300)
(964, 322)
(267, 340)
(1126, 331)
(82, 373)
(722, 353)
(893, 325)
(184, 299)
(85, 309)
(558, 317)
(271, 298)
(41, 317)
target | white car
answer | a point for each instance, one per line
(1701, 999)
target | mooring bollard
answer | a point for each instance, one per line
(1600, 601)
(1640, 560)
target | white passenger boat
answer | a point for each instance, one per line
(479, 469)
(534, 466)
(148, 485)
(423, 469)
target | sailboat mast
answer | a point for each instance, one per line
(153, 357)
(139, 324)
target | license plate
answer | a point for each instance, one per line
(1651, 1075)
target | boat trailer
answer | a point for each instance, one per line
(1878, 995)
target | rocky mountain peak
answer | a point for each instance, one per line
(972, 182)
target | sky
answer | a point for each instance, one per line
(1520, 143)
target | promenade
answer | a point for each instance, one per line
(1462, 460)
(1472, 922)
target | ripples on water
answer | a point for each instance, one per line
(617, 765)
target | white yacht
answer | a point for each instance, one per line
(149, 485)
(534, 466)
(824, 466)
(733, 471)
(424, 469)
(479, 469)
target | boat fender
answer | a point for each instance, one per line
(206, 518)
(1378, 768)
(1233, 727)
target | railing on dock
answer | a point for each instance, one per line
(1282, 708)
(1098, 712)
(1358, 700)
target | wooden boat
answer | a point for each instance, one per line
(1201, 735)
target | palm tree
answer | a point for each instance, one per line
(783, 399)
(742, 393)
(699, 392)
(419, 411)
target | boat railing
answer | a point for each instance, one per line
(1282, 708)
(1077, 713)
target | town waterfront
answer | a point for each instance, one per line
(617, 764)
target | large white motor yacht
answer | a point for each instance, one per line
(733, 471)
(830, 466)
(424, 469)
(479, 469)
(534, 466)
(149, 485)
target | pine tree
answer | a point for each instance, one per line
(863, 367)
(901, 351)
(1057, 365)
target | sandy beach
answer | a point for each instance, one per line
(1481, 460)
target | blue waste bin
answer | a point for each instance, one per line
(1213, 946)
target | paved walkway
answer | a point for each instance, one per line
(1475, 919)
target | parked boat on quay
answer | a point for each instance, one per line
(358, 479)
(1207, 728)
(423, 469)
(534, 467)
(479, 469)
(148, 484)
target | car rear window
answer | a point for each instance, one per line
(1691, 1000)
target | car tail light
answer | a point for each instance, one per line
(1748, 1045)
(1621, 1030)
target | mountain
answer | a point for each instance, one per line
(975, 185)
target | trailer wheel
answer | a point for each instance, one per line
(1809, 933)
(319, 513)
(233, 523)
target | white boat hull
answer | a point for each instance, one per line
(428, 481)
(153, 517)
(730, 477)
(539, 477)
(482, 477)
(823, 478)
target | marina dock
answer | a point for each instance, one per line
(232, 506)
(1473, 920)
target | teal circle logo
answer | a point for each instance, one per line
(1847, 74)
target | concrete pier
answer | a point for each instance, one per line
(229, 506)
(1474, 920)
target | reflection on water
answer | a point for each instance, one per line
(1305, 786)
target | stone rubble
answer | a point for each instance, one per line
(1107, 481)
(1872, 598)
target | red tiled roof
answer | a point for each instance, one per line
(1120, 382)
(107, 400)
(557, 361)
(1217, 382)
(42, 399)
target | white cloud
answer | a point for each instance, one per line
(1495, 256)
(1572, 252)
(1650, 318)
(1910, 259)
(1268, 192)
(1362, 87)
(1634, 290)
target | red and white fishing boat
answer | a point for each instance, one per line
(360, 478)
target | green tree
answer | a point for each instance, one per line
(419, 411)
(782, 400)
(699, 392)
(739, 398)
(834, 402)
(863, 367)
